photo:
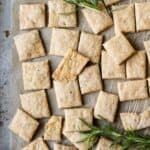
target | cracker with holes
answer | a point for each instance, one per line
(61, 14)
(110, 2)
(39, 143)
(67, 94)
(71, 65)
(142, 11)
(111, 70)
(62, 40)
(132, 90)
(90, 79)
(23, 125)
(74, 137)
(91, 50)
(124, 18)
(36, 75)
(106, 106)
(136, 66)
(147, 48)
(98, 21)
(119, 48)
(29, 45)
(73, 119)
(63, 147)
(35, 104)
(105, 144)
(52, 129)
(32, 16)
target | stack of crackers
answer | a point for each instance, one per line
(86, 62)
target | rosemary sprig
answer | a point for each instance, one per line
(91, 4)
(127, 139)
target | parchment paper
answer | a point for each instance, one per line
(89, 100)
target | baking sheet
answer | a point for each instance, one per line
(89, 100)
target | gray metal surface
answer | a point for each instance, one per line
(5, 71)
(11, 77)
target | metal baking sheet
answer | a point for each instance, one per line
(89, 100)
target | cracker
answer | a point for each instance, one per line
(29, 45)
(144, 119)
(62, 40)
(106, 106)
(105, 144)
(35, 104)
(53, 127)
(74, 137)
(136, 66)
(36, 75)
(124, 18)
(148, 85)
(147, 47)
(32, 16)
(37, 144)
(73, 116)
(111, 70)
(67, 94)
(119, 48)
(132, 90)
(90, 79)
(71, 65)
(142, 11)
(23, 125)
(98, 21)
(63, 147)
(61, 14)
(110, 2)
(91, 50)
(130, 121)
(134, 121)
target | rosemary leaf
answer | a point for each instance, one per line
(127, 139)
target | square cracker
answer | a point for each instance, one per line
(67, 94)
(74, 137)
(90, 79)
(132, 90)
(23, 125)
(36, 75)
(124, 18)
(110, 2)
(29, 45)
(130, 121)
(52, 129)
(119, 48)
(136, 66)
(32, 16)
(57, 14)
(62, 40)
(105, 144)
(35, 104)
(98, 21)
(91, 50)
(39, 143)
(63, 147)
(134, 121)
(111, 70)
(147, 48)
(148, 85)
(106, 106)
(71, 65)
(73, 116)
(142, 11)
